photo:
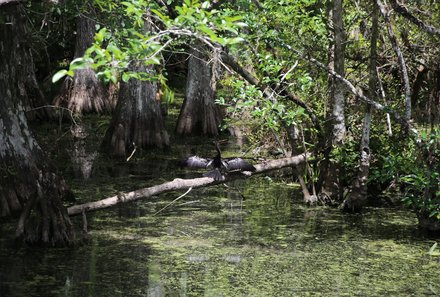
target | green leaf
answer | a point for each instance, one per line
(113, 79)
(233, 18)
(235, 40)
(240, 24)
(160, 15)
(60, 74)
(115, 50)
(126, 77)
(99, 37)
(205, 5)
(152, 61)
(208, 31)
(78, 63)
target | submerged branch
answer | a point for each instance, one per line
(180, 184)
(172, 202)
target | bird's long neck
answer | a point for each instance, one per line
(217, 161)
(217, 148)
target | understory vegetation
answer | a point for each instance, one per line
(355, 83)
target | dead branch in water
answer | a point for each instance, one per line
(180, 184)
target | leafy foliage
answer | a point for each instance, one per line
(422, 183)
(261, 38)
(139, 38)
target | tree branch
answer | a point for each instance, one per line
(249, 77)
(179, 184)
(403, 11)
(402, 64)
(357, 92)
(4, 2)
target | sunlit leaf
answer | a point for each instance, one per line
(235, 40)
(125, 77)
(60, 74)
(78, 63)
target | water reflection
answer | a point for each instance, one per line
(82, 160)
(248, 239)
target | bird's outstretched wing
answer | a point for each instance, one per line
(215, 174)
(239, 164)
(195, 161)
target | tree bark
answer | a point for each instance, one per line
(30, 93)
(199, 113)
(433, 106)
(331, 170)
(84, 92)
(29, 188)
(179, 184)
(357, 197)
(337, 87)
(137, 120)
(402, 64)
(417, 86)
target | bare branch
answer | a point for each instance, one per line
(357, 92)
(402, 64)
(179, 184)
(403, 11)
(172, 202)
(231, 62)
(132, 153)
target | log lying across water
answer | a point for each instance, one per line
(181, 184)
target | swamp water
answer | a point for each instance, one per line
(252, 238)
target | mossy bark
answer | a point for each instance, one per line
(30, 93)
(29, 188)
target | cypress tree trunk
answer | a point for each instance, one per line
(199, 113)
(137, 120)
(29, 188)
(84, 93)
(30, 92)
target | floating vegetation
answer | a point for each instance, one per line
(254, 238)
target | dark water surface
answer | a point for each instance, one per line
(252, 238)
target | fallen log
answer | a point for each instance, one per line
(179, 184)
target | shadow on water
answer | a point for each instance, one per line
(251, 237)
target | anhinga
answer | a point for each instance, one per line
(219, 164)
